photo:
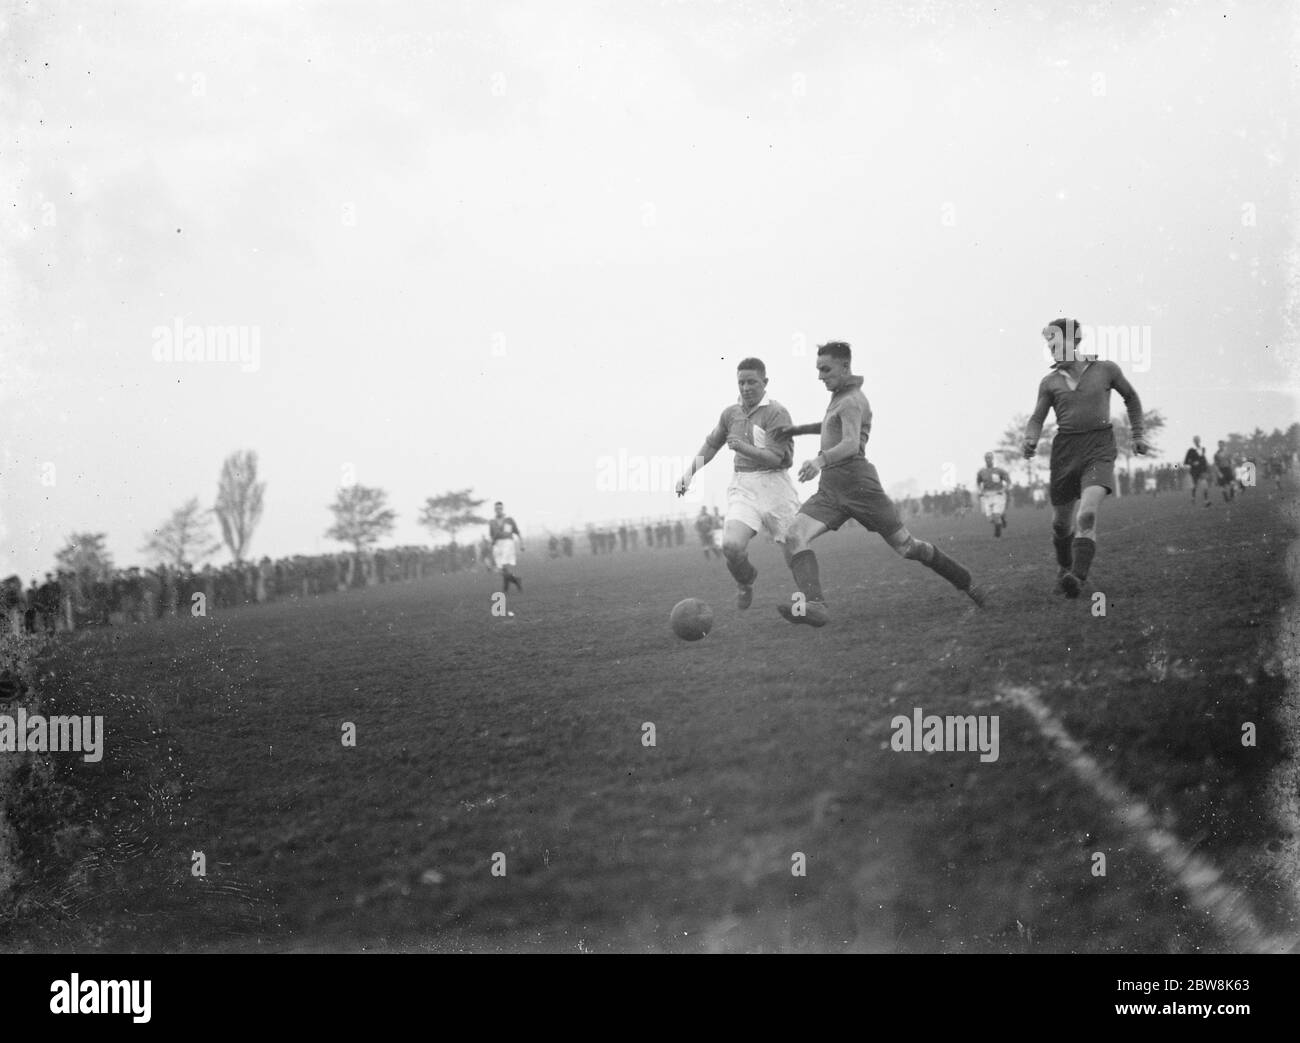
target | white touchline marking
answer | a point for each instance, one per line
(1227, 907)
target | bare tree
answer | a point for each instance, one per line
(185, 538)
(239, 501)
(361, 516)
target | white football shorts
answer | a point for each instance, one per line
(766, 501)
(993, 503)
(503, 553)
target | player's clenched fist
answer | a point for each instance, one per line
(683, 483)
(1029, 448)
(1140, 446)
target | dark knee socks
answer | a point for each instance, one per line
(953, 571)
(1084, 549)
(807, 577)
(1064, 544)
(741, 569)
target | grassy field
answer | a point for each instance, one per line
(478, 735)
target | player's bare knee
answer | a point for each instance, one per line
(1060, 529)
(732, 550)
(1087, 520)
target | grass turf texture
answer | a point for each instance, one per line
(478, 735)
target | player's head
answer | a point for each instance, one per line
(834, 364)
(1196, 441)
(499, 508)
(988, 459)
(751, 378)
(1222, 443)
(1063, 337)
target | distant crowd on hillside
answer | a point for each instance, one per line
(64, 601)
(135, 595)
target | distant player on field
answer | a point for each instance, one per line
(506, 541)
(704, 529)
(1276, 468)
(1198, 467)
(1226, 472)
(1083, 451)
(849, 487)
(992, 484)
(761, 495)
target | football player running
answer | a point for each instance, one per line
(849, 487)
(992, 484)
(1198, 467)
(761, 495)
(505, 537)
(1225, 472)
(1083, 452)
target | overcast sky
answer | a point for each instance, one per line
(497, 245)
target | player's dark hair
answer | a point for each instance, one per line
(836, 349)
(1069, 329)
(754, 364)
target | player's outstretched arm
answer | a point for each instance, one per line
(790, 430)
(707, 452)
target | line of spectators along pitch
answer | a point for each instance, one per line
(136, 595)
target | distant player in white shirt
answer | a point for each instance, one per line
(506, 543)
(761, 495)
(992, 484)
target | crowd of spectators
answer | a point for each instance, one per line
(134, 595)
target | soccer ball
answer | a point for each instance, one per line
(691, 619)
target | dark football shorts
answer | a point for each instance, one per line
(852, 490)
(1079, 461)
(1227, 476)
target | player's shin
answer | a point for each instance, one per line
(1063, 542)
(739, 566)
(1084, 549)
(933, 558)
(807, 576)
